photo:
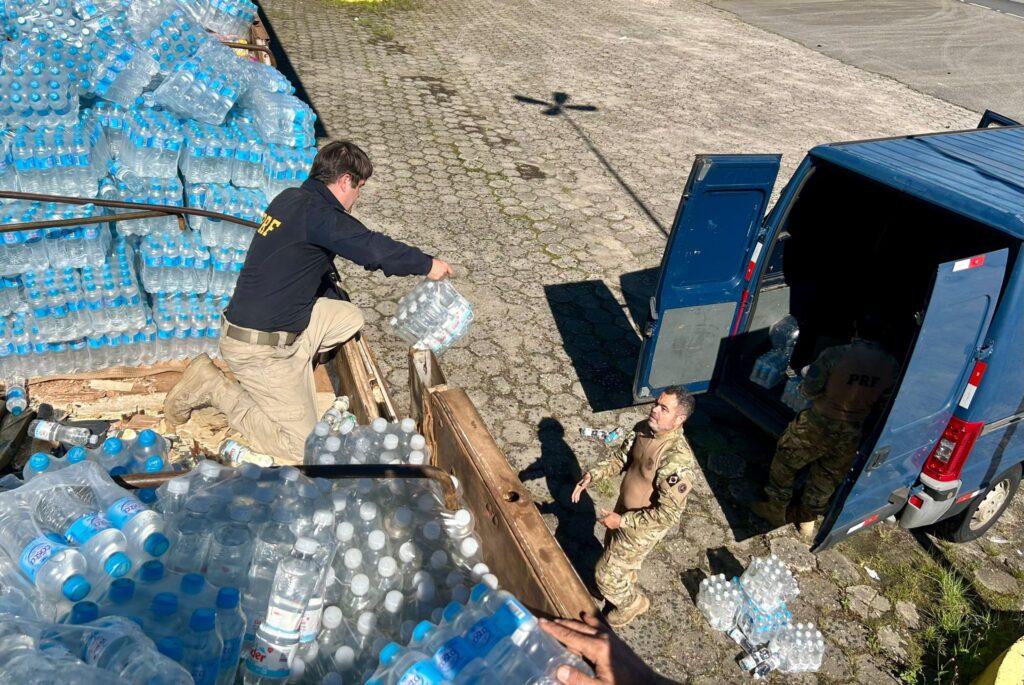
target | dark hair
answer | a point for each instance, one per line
(683, 397)
(339, 158)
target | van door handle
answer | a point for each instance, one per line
(878, 457)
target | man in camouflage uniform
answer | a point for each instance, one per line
(658, 464)
(844, 383)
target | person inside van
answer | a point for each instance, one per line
(845, 385)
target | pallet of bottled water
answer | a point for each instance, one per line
(432, 316)
(752, 609)
(770, 368)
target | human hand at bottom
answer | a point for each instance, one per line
(614, 662)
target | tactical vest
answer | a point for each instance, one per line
(644, 459)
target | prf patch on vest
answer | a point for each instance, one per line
(268, 224)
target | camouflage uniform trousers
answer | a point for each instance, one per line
(624, 553)
(827, 445)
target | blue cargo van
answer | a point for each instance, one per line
(925, 230)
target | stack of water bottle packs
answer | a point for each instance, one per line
(770, 367)
(432, 316)
(752, 609)
(135, 101)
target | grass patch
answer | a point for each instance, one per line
(376, 15)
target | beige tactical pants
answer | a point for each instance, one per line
(617, 570)
(276, 408)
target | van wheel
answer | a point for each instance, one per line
(984, 510)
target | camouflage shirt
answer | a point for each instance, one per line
(663, 463)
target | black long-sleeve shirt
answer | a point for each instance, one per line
(291, 254)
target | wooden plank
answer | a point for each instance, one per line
(425, 377)
(517, 544)
(358, 376)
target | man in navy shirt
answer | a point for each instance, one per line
(286, 310)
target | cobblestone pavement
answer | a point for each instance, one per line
(541, 147)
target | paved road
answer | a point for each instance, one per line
(965, 53)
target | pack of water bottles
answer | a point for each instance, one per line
(244, 203)
(127, 187)
(174, 263)
(229, 17)
(152, 143)
(752, 609)
(432, 316)
(58, 159)
(121, 68)
(792, 397)
(174, 39)
(187, 325)
(53, 248)
(281, 118)
(770, 367)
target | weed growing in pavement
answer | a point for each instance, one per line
(375, 15)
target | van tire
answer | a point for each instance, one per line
(983, 511)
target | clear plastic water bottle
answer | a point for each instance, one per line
(57, 571)
(189, 534)
(103, 546)
(17, 397)
(143, 528)
(51, 431)
(231, 624)
(231, 550)
(203, 647)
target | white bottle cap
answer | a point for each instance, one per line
(289, 474)
(403, 517)
(376, 540)
(332, 617)
(479, 571)
(417, 442)
(461, 519)
(366, 622)
(344, 532)
(321, 429)
(432, 530)
(386, 567)
(469, 547)
(439, 559)
(407, 552)
(353, 558)
(360, 584)
(346, 428)
(407, 425)
(209, 469)
(332, 444)
(344, 659)
(417, 458)
(460, 594)
(421, 577)
(490, 580)
(393, 601)
(323, 517)
(340, 502)
(307, 545)
(379, 425)
(178, 486)
(390, 442)
(367, 511)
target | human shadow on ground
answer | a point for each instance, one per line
(559, 106)
(284, 65)
(600, 342)
(560, 469)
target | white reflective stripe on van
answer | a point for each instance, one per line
(753, 259)
(972, 384)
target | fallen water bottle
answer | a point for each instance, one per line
(51, 431)
(57, 570)
(236, 453)
(602, 436)
(17, 397)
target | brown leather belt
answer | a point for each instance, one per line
(248, 335)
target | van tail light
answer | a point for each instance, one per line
(950, 453)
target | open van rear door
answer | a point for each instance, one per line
(952, 335)
(705, 271)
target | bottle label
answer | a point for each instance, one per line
(452, 657)
(309, 626)
(84, 528)
(283, 620)
(36, 553)
(232, 650)
(253, 625)
(124, 510)
(269, 661)
(46, 431)
(205, 672)
(420, 674)
(481, 636)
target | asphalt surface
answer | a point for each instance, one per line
(968, 53)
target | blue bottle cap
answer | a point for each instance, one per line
(146, 495)
(118, 471)
(171, 647)
(117, 564)
(227, 597)
(121, 590)
(76, 588)
(152, 571)
(40, 461)
(451, 611)
(76, 454)
(156, 544)
(113, 446)
(203, 619)
(164, 604)
(147, 438)
(192, 583)
(389, 652)
(83, 612)
(421, 630)
(154, 464)
(479, 590)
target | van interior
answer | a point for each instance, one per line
(849, 247)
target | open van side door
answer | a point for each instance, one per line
(705, 271)
(952, 335)
(990, 118)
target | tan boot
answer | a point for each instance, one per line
(198, 388)
(806, 529)
(622, 616)
(772, 511)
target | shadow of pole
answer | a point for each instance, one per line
(559, 107)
